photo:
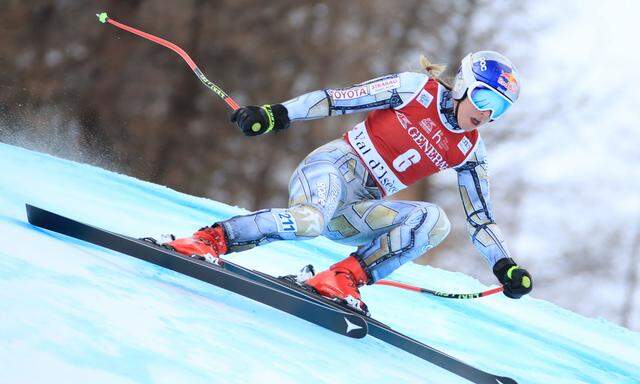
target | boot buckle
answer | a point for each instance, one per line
(209, 258)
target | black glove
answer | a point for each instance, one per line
(516, 281)
(254, 120)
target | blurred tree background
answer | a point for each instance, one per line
(94, 93)
(78, 89)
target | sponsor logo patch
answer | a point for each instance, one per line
(444, 144)
(321, 190)
(425, 98)
(384, 85)
(349, 93)
(465, 145)
(328, 195)
(403, 119)
(508, 81)
(483, 64)
(427, 124)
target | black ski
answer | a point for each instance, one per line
(387, 334)
(334, 319)
(194, 268)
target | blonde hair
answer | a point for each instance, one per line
(434, 70)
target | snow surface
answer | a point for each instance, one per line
(76, 313)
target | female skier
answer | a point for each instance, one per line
(417, 126)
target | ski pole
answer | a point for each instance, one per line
(441, 294)
(104, 18)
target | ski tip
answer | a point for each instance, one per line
(102, 17)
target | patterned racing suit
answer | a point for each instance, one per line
(338, 190)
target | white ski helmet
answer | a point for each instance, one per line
(487, 70)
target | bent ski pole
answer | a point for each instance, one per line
(104, 18)
(441, 294)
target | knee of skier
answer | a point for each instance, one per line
(441, 227)
(309, 220)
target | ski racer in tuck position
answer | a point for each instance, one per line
(417, 126)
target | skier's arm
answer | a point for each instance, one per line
(381, 93)
(473, 183)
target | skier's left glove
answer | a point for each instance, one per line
(516, 281)
(254, 120)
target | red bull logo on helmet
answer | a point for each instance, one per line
(509, 82)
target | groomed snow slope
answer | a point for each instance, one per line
(76, 313)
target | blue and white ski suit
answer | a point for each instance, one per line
(333, 194)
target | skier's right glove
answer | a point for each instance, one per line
(516, 281)
(254, 120)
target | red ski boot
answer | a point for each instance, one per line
(341, 282)
(207, 244)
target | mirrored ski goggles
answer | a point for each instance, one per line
(488, 99)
